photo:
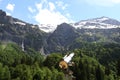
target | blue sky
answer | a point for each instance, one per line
(59, 11)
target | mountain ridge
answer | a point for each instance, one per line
(99, 23)
(64, 37)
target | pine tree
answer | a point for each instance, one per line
(99, 73)
(118, 67)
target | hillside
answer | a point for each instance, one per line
(95, 62)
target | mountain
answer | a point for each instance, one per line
(5, 19)
(20, 32)
(66, 37)
(49, 39)
(60, 39)
(71, 36)
(98, 23)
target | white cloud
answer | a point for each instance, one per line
(10, 7)
(115, 1)
(31, 9)
(106, 3)
(62, 5)
(52, 6)
(48, 14)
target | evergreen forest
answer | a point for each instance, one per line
(94, 61)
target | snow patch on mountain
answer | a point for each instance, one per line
(21, 23)
(47, 27)
(95, 23)
(98, 23)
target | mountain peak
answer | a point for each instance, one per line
(99, 23)
(95, 23)
(2, 13)
(64, 27)
(103, 18)
(5, 19)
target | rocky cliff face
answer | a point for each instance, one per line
(61, 38)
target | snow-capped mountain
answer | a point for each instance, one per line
(99, 23)
(61, 38)
(95, 23)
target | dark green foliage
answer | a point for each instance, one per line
(87, 68)
(18, 65)
(99, 74)
(118, 67)
(92, 62)
(4, 72)
(52, 60)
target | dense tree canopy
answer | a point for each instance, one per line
(93, 62)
